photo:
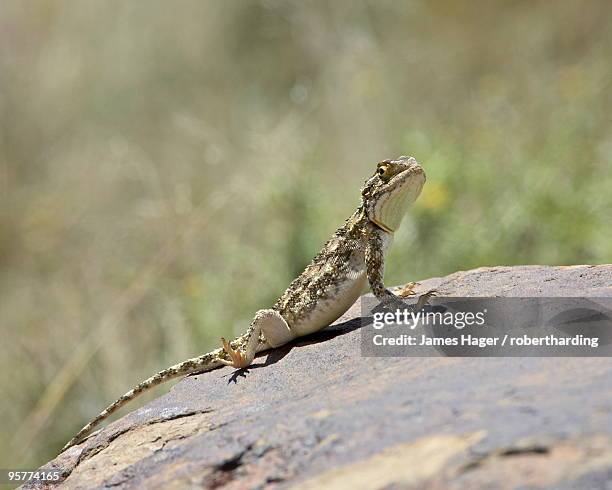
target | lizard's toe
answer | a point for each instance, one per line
(407, 290)
(238, 359)
(425, 297)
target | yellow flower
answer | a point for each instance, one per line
(192, 286)
(434, 197)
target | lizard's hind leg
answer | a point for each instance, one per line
(275, 330)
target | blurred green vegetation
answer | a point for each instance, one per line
(165, 170)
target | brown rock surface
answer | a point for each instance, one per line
(315, 414)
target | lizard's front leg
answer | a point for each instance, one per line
(375, 270)
(276, 332)
(375, 264)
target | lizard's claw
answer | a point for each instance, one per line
(425, 297)
(237, 357)
(407, 290)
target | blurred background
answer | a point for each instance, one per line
(166, 170)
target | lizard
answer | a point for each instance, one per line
(330, 284)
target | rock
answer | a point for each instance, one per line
(315, 414)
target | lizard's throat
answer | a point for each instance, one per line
(382, 226)
(389, 210)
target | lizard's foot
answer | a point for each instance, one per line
(238, 359)
(407, 290)
(424, 298)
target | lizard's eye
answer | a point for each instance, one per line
(383, 172)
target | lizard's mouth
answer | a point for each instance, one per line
(412, 168)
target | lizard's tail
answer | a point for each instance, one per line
(203, 363)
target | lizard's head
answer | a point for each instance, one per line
(387, 195)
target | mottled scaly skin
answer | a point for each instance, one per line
(354, 255)
(335, 277)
